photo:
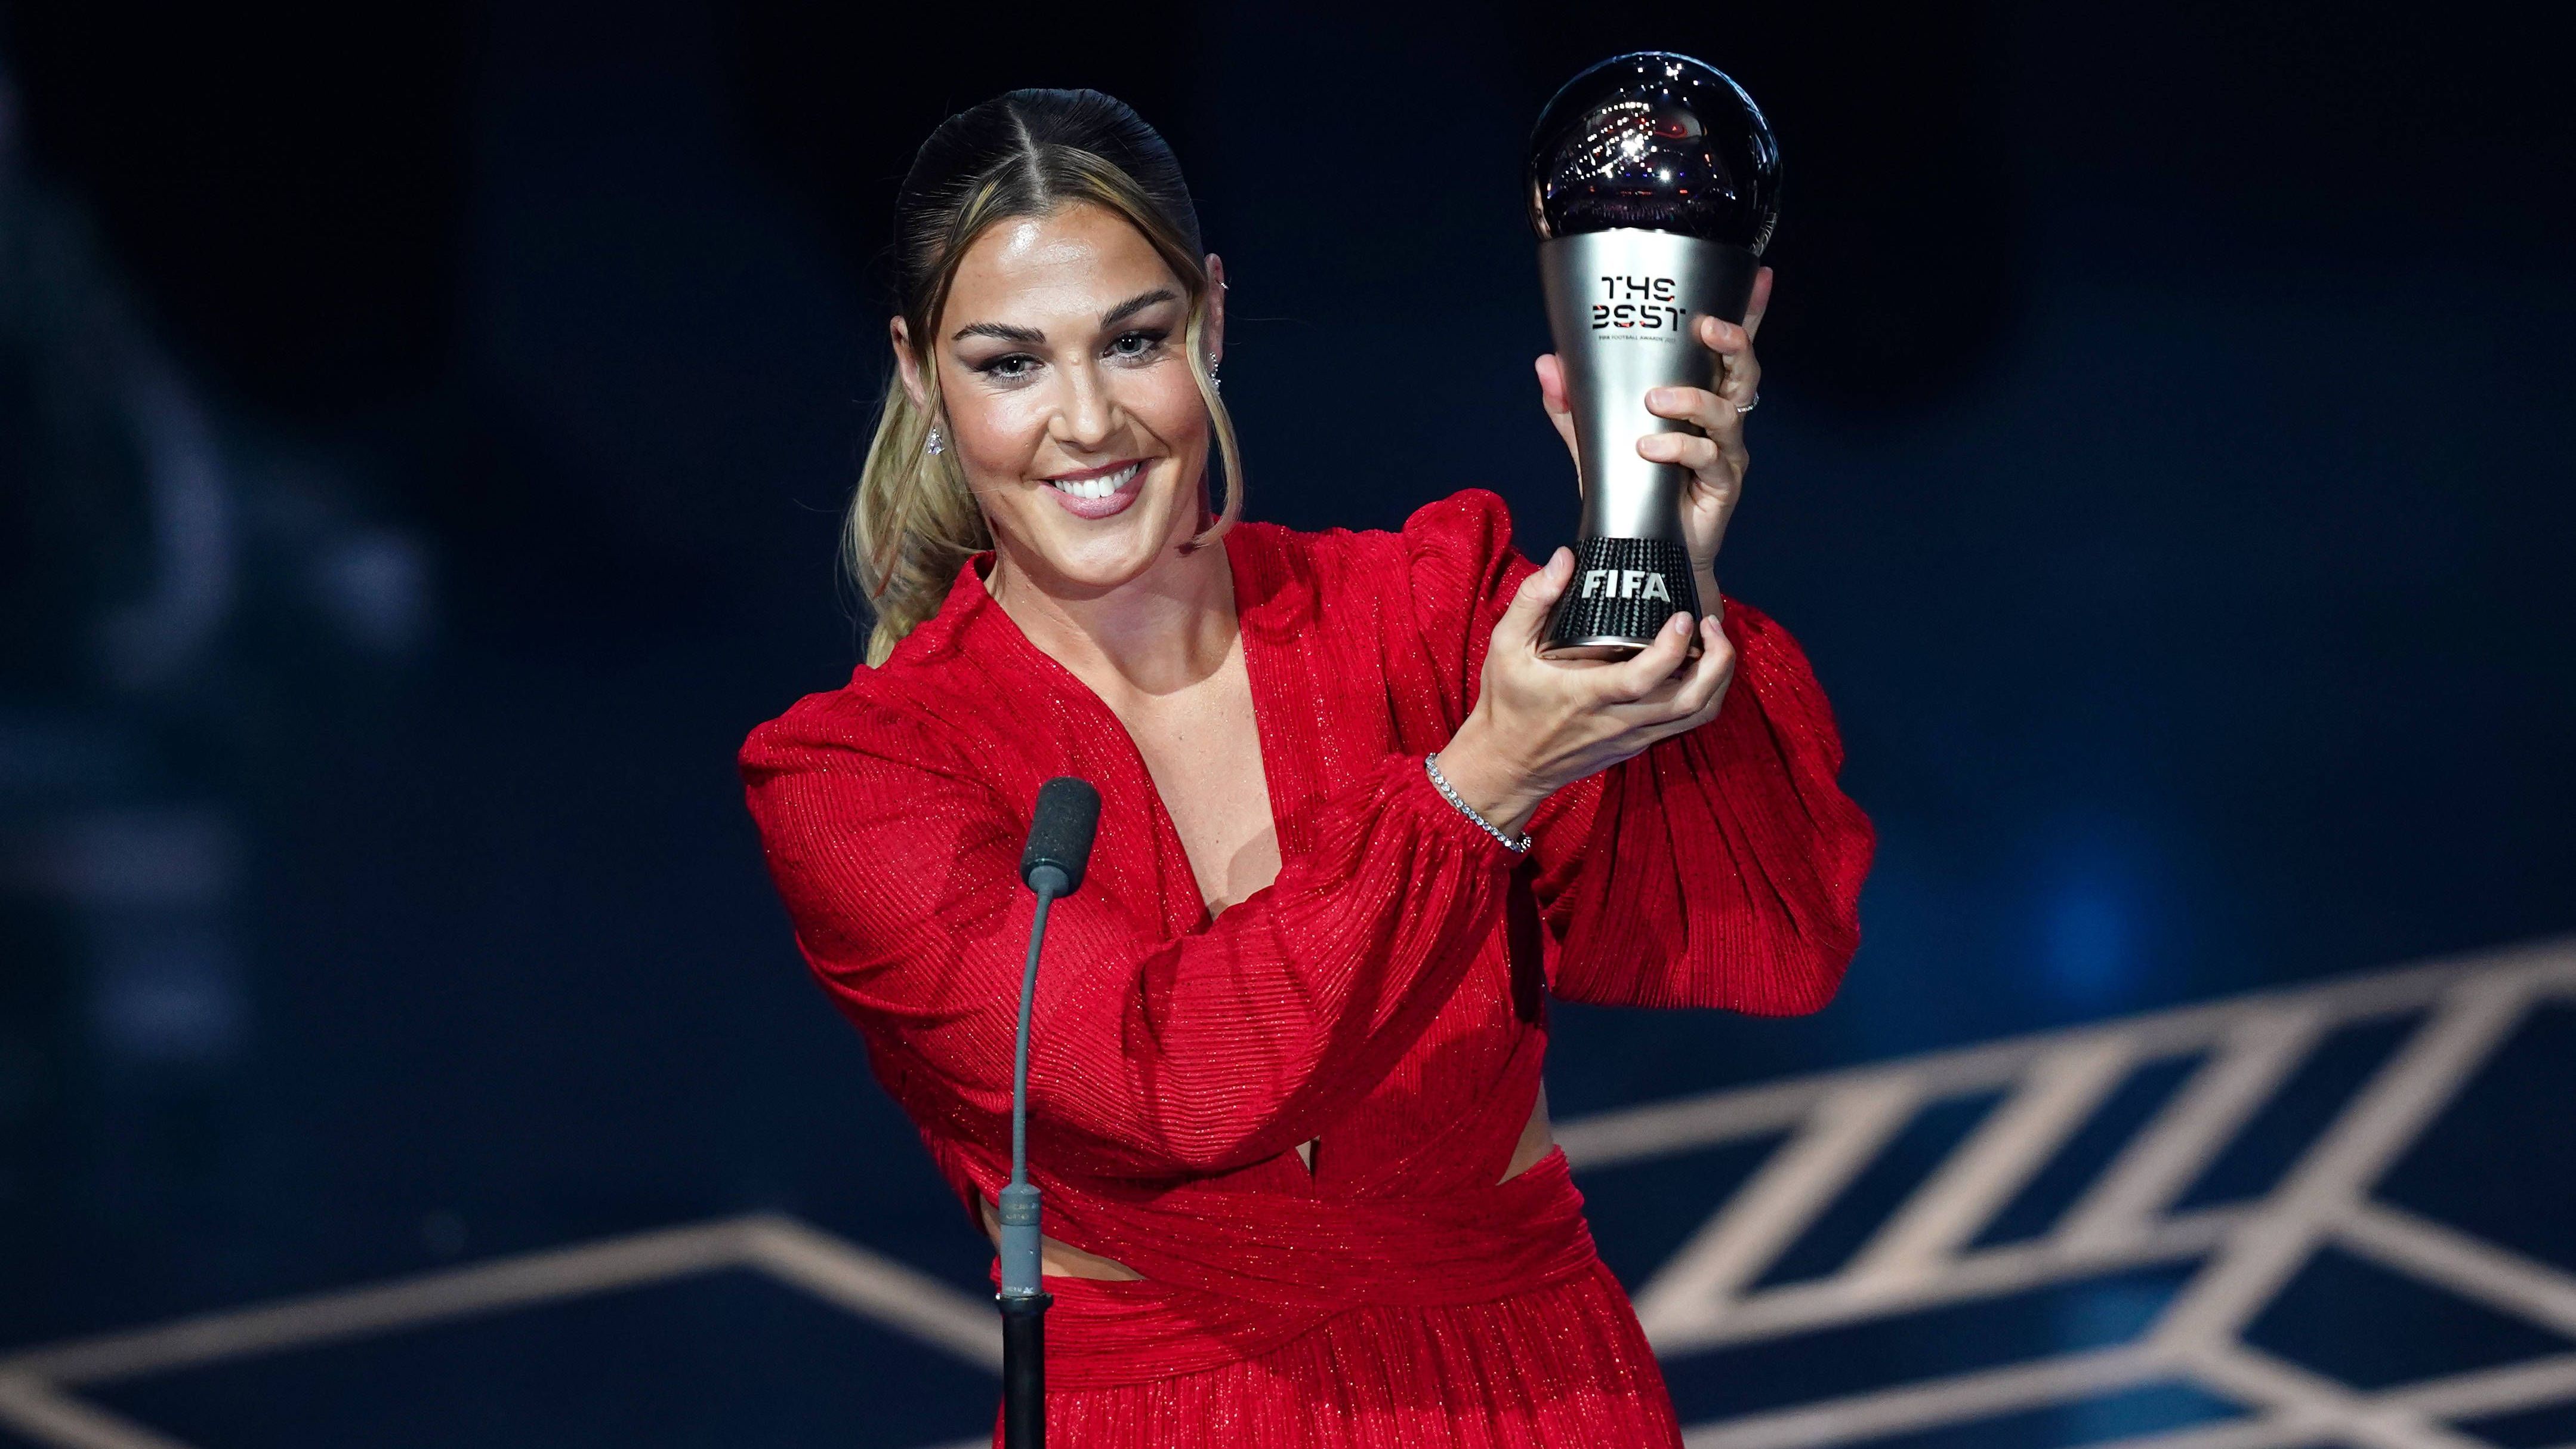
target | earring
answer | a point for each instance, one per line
(930, 444)
(1215, 383)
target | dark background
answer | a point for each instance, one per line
(423, 436)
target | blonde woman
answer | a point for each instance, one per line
(1286, 1105)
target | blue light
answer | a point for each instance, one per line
(2089, 947)
(2093, 901)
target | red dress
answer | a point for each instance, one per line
(1384, 996)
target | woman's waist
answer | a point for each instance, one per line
(1104, 1333)
(1412, 1248)
(1063, 1260)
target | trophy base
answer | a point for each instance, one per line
(1622, 592)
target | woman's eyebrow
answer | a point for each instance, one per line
(1027, 336)
(1136, 304)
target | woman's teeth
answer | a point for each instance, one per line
(1100, 487)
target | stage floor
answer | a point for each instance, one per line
(2333, 1215)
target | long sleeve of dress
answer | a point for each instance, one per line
(1720, 868)
(1154, 1055)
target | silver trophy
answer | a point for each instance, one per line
(1654, 183)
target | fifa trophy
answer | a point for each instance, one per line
(1653, 185)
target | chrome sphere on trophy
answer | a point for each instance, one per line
(1653, 185)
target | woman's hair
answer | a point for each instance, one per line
(913, 523)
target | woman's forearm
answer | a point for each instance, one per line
(1480, 768)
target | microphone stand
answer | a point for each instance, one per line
(1059, 848)
(1023, 1302)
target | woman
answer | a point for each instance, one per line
(1286, 1108)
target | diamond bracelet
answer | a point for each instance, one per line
(1449, 792)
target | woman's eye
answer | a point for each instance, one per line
(1137, 344)
(1008, 367)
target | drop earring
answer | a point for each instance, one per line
(930, 444)
(1215, 383)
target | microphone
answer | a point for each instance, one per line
(1067, 815)
(1068, 812)
(1653, 185)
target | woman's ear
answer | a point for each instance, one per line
(1216, 308)
(906, 365)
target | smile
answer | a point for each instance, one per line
(1093, 488)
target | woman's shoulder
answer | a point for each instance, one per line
(911, 709)
(1476, 520)
(1425, 588)
(1468, 531)
(882, 715)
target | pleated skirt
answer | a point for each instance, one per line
(1555, 1367)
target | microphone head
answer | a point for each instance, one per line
(1658, 142)
(1068, 812)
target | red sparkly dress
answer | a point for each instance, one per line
(1385, 996)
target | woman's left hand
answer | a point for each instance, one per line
(1715, 454)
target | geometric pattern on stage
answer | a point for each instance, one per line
(2146, 1190)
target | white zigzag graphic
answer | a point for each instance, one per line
(1706, 1296)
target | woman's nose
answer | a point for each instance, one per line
(1089, 414)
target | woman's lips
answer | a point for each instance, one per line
(1101, 496)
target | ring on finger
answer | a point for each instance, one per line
(1749, 404)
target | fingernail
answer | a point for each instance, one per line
(1677, 625)
(1659, 397)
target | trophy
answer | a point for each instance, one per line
(1653, 185)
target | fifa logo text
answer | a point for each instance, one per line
(1647, 304)
(1625, 584)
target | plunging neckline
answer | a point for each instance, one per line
(1174, 853)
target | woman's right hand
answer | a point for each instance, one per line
(1542, 724)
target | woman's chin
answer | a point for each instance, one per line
(1106, 552)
